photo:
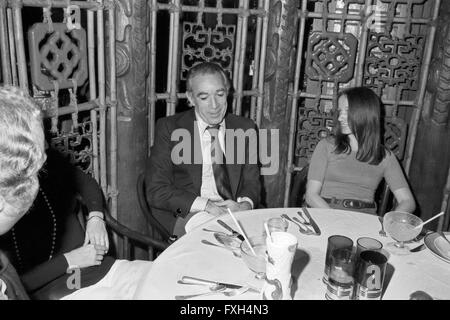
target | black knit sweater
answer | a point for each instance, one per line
(60, 182)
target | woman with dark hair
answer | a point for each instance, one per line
(346, 169)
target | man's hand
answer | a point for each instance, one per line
(214, 209)
(86, 256)
(235, 206)
(96, 232)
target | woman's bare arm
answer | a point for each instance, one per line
(313, 197)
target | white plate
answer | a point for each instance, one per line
(438, 246)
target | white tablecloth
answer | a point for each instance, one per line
(189, 257)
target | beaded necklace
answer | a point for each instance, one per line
(16, 246)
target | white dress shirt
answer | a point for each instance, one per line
(208, 190)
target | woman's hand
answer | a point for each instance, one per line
(85, 256)
(96, 231)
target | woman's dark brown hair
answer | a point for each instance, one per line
(364, 122)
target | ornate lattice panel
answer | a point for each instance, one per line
(58, 55)
(395, 130)
(393, 62)
(341, 7)
(331, 56)
(313, 126)
(76, 141)
(207, 44)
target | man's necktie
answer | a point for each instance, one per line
(218, 164)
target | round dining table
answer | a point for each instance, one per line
(188, 256)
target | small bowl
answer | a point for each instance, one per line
(401, 226)
(257, 263)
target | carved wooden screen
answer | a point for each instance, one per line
(231, 33)
(64, 43)
(382, 44)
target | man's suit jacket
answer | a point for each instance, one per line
(172, 188)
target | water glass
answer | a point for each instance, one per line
(334, 243)
(276, 225)
(340, 280)
(369, 275)
(366, 243)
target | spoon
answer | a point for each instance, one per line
(216, 245)
(215, 289)
(429, 220)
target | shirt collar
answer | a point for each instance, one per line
(202, 125)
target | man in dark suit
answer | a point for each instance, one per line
(200, 160)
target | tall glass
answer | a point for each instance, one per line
(367, 243)
(256, 263)
(335, 242)
(370, 273)
(276, 225)
(340, 280)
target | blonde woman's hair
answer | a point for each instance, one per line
(21, 155)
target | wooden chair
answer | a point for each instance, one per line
(157, 230)
(128, 235)
(298, 188)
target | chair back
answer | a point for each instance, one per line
(146, 210)
(298, 188)
(395, 130)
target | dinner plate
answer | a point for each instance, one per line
(438, 246)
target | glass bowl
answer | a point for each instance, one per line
(401, 226)
(257, 263)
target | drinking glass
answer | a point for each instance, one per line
(369, 275)
(276, 224)
(340, 280)
(401, 226)
(335, 242)
(367, 243)
(255, 263)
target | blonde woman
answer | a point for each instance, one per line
(22, 154)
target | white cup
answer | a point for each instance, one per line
(281, 247)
